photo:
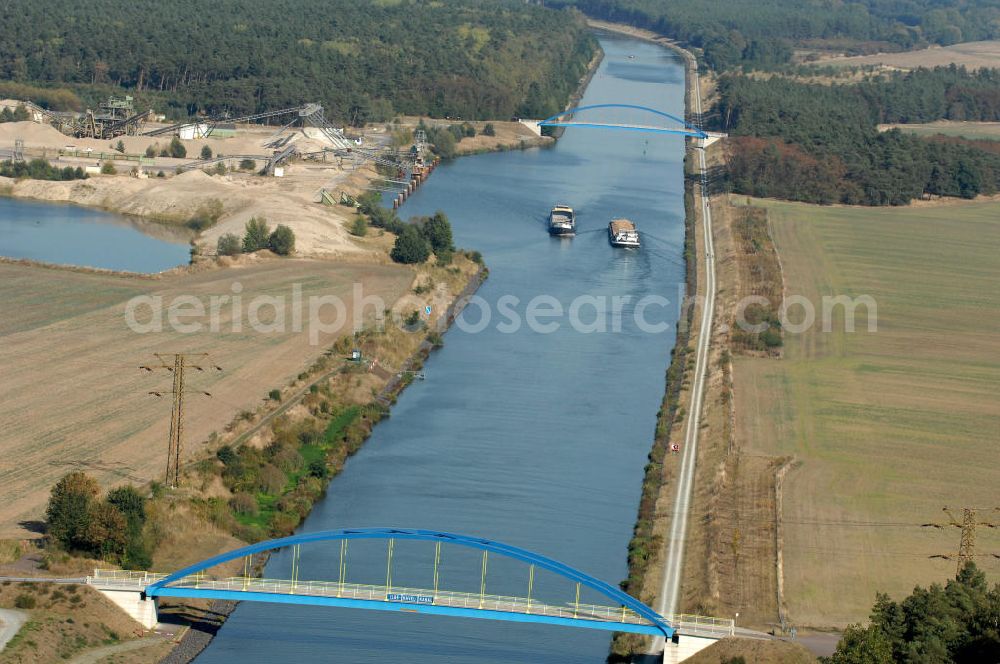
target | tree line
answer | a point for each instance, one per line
(363, 60)
(821, 144)
(40, 169)
(761, 33)
(959, 622)
(111, 527)
(257, 235)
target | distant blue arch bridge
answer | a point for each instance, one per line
(634, 118)
(622, 613)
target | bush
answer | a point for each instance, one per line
(272, 480)
(108, 168)
(489, 130)
(226, 455)
(282, 240)
(206, 152)
(151, 151)
(177, 149)
(410, 247)
(247, 164)
(359, 226)
(220, 169)
(229, 245)
(68, 513)
(274, 395)
(468, 131)
(24, 601)
(120, 146)
(443, 141)
(244, 503)
(437, 231)
(317, 468)
(206, 215)
(161, 174)
(256, 235)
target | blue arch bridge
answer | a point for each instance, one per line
(137, 592)
(627, 117)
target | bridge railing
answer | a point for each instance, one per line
(688, 623)
(123, 578)
(684, 623)
(509, 604)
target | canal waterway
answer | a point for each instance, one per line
(73, 235)
(533, 434)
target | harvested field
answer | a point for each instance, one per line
(983, 131)
(974, 55)
(886, 427)
(73, 397)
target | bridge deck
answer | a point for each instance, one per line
(204, 586)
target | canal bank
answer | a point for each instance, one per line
(537, 437)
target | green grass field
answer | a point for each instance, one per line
(889, 426)
(986, 131)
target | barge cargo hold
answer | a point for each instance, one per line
(622, 233)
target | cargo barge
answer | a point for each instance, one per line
(622, 233)
(562, 221)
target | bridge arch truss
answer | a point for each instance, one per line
(647, 621)
(567, 119)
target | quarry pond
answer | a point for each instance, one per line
(84, 237)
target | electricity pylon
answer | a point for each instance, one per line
(967, 540)
(177, 366)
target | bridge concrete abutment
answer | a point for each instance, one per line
(685, 647)
(143, 611)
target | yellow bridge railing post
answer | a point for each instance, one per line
(576, 608)
(531, 584)
(343, 566)
(247, 564)
(482, 583)
(388, 568)
(437, 562)
(295, 567)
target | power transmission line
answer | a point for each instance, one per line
(967, 539)
(177, 367)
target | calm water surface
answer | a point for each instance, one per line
(535, 439)
(72, 235)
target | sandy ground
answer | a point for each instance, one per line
(290, 200)
(10, 623)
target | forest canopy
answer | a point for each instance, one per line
(362, 59)
(821, 143)
(761, 33)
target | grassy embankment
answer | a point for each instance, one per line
(646, 541)
(886, 427)
(64, 620)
